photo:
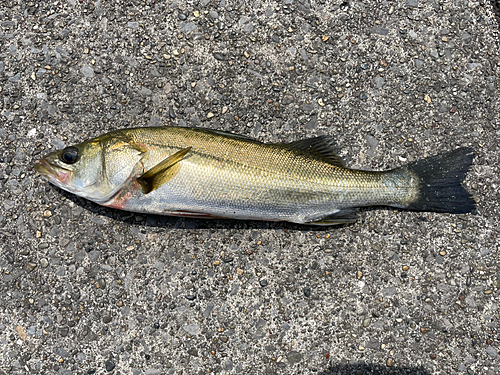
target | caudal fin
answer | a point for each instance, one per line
(440, 182)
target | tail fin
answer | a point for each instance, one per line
(440, 182)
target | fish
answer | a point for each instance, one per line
(203, 173)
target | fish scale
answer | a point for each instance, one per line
(237, 177)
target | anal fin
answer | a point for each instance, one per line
(345, 216)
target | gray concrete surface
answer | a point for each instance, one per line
(87, 290)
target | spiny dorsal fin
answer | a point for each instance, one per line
(156, 176)
(321, 147)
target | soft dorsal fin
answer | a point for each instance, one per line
(321, 147)
(156, 176)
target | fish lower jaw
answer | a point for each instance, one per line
(54, 181)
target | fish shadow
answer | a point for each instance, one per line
(363, 368)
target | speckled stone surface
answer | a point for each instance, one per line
(90, 290)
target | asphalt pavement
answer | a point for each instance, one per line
(90, 290)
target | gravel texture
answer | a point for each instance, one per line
(89, 290)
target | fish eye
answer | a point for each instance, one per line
(69, 155)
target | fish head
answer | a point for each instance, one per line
(96, 169)
(76, 169)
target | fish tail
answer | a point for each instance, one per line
(440, 183)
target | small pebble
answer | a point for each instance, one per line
(294, 357)
(171, 112)
(101, 283)
(110, 366)
(63, 331)
(219, 56)
(30, 267)
(263, 283)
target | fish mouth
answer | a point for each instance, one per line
(56, 176)
(44, 168)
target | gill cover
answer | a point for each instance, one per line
(122, 162)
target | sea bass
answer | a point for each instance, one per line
(203, 173)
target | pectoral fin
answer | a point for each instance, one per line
(345, 216)
(162, 172)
